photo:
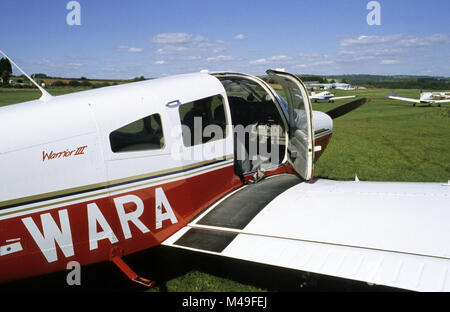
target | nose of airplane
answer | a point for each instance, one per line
(322, 122)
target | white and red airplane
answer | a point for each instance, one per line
(97, 175)
(425, 98)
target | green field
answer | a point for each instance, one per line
(13, 96)
(388, 140)
(385, 140)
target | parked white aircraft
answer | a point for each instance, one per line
(327, 96)
(425, 98)
(442, 95)
(98, 175)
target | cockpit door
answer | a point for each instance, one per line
(299, 115)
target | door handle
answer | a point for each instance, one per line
(173, 104)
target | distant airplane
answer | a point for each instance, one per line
(425, 98)
(327, 96)
(346, 88)
(442, 95)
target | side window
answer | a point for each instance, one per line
(140, 135)
(203, 120)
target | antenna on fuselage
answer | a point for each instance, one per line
(45, 95)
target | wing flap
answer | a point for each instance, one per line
(405, 271)
(373, 266)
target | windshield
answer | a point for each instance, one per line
(244, 88)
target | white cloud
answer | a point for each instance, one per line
(110, 69)
(220, 58)
(260, 61)
(178, 43)
(376, 47)
(276, 60)
(171, 49)
(386, 50)
(191, 58)
(176, 38)
(389, 62)
(240, 37)
(360, 54)
(315, 64)
(160, 62)
(75, 65)
(123, 48)
(47, 63)
(135, 50)
(390, 44)
(423, 41)
(57, 68)
(280, 58)
(397, 40)
(368, 40)
(210, 44)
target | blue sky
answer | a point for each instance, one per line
(125, 39)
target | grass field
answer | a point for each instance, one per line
(385, 140)
(388, 140)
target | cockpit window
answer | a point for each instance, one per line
(140, 135)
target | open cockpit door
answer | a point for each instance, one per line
(298, 112)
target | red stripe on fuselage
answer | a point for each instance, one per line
(187, 197)
(323, 142)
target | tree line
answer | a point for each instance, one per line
(378, 81)
(421, 83)
(374, 81)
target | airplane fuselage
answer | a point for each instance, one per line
(67, 196)
(323, 96)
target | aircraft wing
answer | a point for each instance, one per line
(441, 101)
(392, 234)
(343, 97)
(404, 99)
